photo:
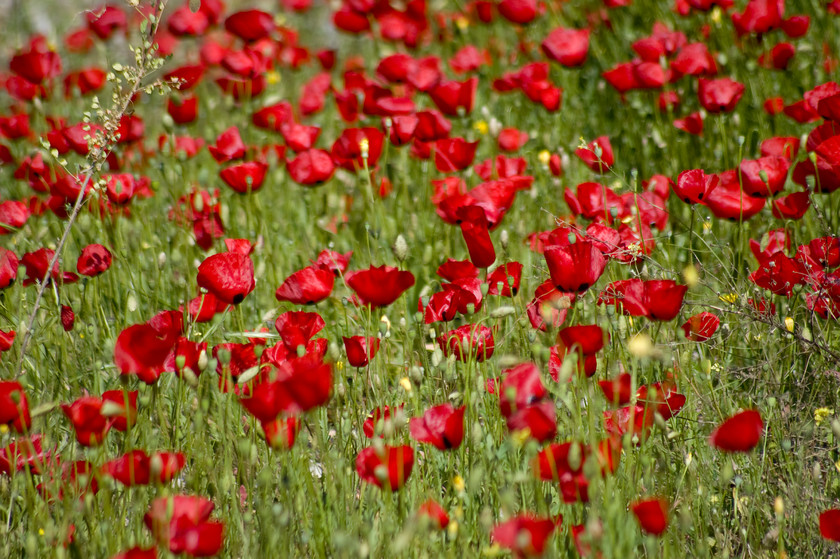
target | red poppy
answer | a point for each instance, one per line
(779, 274)
(183, 22)
(518, 11)
(664, 299)
(379, 286)
(474, 228)
(105, 20)
(348, 151)
(311, 167)
(138, 468)
(182, 524)
(701, 327)
(568, 47)
(454, 154)
(759, 17)
(728, 201)
(619, 390)
(765, 176)
(694, 185)
(719, 95)
(121, 407)
(23, 453)
(526, 535)
(652, 515)
(138, 552)
(597, 155)
(505, 280)
(389, 469)
(14, 406)
(229, 276)
(549, 306)
(586, 341)
(360, 349)
(694, 59)
(93, 260)
(739, 433)
(244, 177)
(144, 349)
(86, 416)
(296, 328)
(436, 514)
(67, 318)
(13, 215)
(450, 96)
(84, 81)
(8, 268)
(468, 341)
(575, 267)
(830, 524)
(307, 286)
(693, 124)
(6, 340)
(538, 420)
(441, 426)
(281, 432)
(250, 25)
(182, 108)
(229, 146)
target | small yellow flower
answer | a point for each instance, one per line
(4, 429)
(521, 436)
(462, 23)
(544, 157)
(716, 14)
(452, 528)
(40, 531)
(339, 365)
(406, 384)
(481, 126)
(364, 146)
(789, 324)
(458, 483)
(272, 77)
(821, 413)
(690, 275)
(729, 298)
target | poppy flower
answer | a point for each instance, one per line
(281, 432)
(619, 390)
(597, 155)
(436, 514)
(389, 469)
(182, 524)
(296, 328)
(441, 426)
(525, 534)
(105, 20)
(273, 117)
(727, 200)
(360, 349)
(701, 327)
(349, 151)
(652, 515)
(830, 524)
(575, 267)
(719, 95)
(693, 185)
(538, 420)
(505, 279)
(229, 276)
(138, 468)
(229, 146)
(664, 299)
(138, 552)
(14, 406)
(144, 349)
(454, 154)
(693, 124)
(13, 215)
(468, 341)
(311, 167)
(739, 433)
(568, 47)
(121, 407)
(512, 139)
(93, 260)
(307, 286)
(765, 176)
(23, 453)
(244, 177)
(779, 274)
(90, 425)
(250, 25)
(585, 340)
(8, 268)
(450, 96)
(634, 420)
(474, 228)
(379, 286)
(549, 306)
(518, 11)
(333, 261)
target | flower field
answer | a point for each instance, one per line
(420, 278)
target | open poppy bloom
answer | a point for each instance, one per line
(585, 341)
(121, 407)
(23, 453)
(468, 341)
(830, 524)
(568, 47)
(144, 349)
(739, 433)
(379, 286)
(435, 513)
(652, 515)
(8, 268)
(526, 535)
(307, 286)
(441, 426)
(229, 276)
(182, 524)
(390, 470)
(86, 416)
(138, 468)
(93, 260)
(619, 390)
(474, 228)
(575, 267)
(701, 327)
